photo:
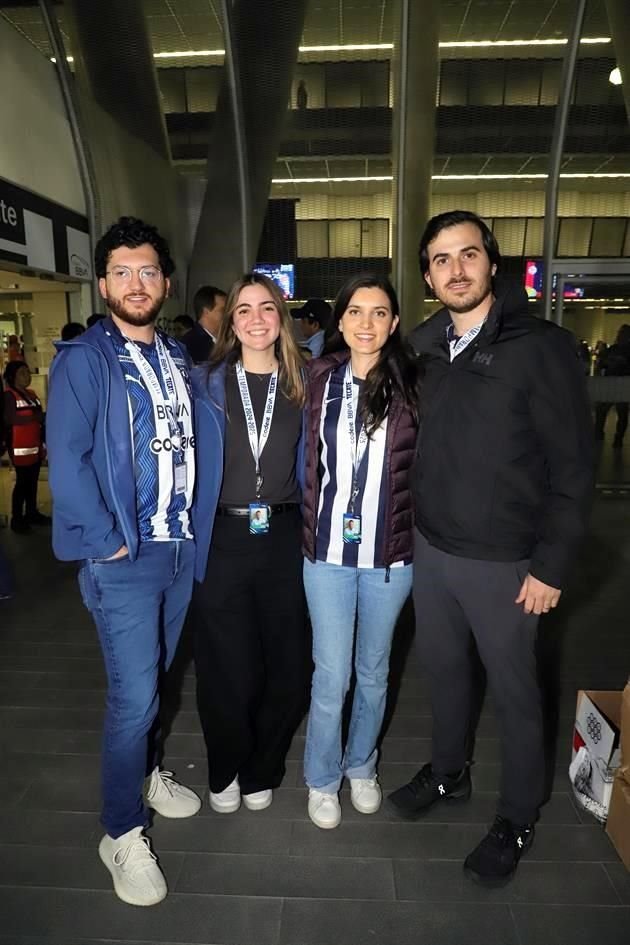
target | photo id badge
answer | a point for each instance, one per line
(181, 478)
(258, 518)
(351, 528)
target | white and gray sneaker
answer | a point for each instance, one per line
(324, 809)
(138, 880)
(168, 797)
(228, 800)
(259, 800)
(365, 794)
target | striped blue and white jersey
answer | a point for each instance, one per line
(336, 483)
(163, 515)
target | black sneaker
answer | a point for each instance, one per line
(38, 518)
(425, 789)
(20, 526)
(493, 862)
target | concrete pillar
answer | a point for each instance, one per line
(114, 66)
(415, 84)
(619, 23)
(265, 40)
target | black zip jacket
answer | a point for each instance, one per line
(505, 454)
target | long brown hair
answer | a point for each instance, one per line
(228, 348)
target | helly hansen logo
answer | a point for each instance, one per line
(482, 358)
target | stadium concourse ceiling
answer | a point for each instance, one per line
(178, 26)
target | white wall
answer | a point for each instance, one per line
(37, 150)
(37, 153)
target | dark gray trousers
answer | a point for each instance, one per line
(455, 597)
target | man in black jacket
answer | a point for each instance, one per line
(208, 305)
(615, 363)
(502, 488)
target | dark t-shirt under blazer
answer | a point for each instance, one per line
(278, 460)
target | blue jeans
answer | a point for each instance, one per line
(139, 609)
(336, 595)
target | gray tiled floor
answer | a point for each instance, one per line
(271, 878)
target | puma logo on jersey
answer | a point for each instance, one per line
(136, 380)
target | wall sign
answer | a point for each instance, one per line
(39, 233)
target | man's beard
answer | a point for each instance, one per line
(467, 303)
(131, 317)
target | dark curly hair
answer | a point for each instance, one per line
(131, 232)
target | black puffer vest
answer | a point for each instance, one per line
(399, 454)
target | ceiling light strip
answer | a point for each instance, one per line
(189, 53)
(448, 177)
(384, 47)
(508, 43)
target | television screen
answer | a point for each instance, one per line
(282, 274)
(534, 282)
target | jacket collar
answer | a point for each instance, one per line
(512, 301)
(319, 367)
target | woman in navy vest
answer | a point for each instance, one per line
(361, 433)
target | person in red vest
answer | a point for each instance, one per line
(24, 431)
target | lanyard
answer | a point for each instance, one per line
(358, 445)
(456, 347)
(256, 442)
(170, 402)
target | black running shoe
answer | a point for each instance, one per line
(20, 526)
(425, 789)
(38, 518)
(493, 862)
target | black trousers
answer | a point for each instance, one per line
(24, 500)
(601, 413)
(252, 650)
(455, 598)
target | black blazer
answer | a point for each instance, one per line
(198, 343)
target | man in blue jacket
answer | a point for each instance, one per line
(122, 469)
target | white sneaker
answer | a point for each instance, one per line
(228, 800)
(138, 880)
(168, 797)
(324, 809)
(365, 794)
(259, 800)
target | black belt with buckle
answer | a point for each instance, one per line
(242, 510)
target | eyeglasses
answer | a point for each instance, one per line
(150, 275)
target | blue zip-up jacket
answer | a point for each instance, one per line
(209, 396)
(90, 448)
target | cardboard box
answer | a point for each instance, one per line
(624, 770)
(597, 731)
(618, 823)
